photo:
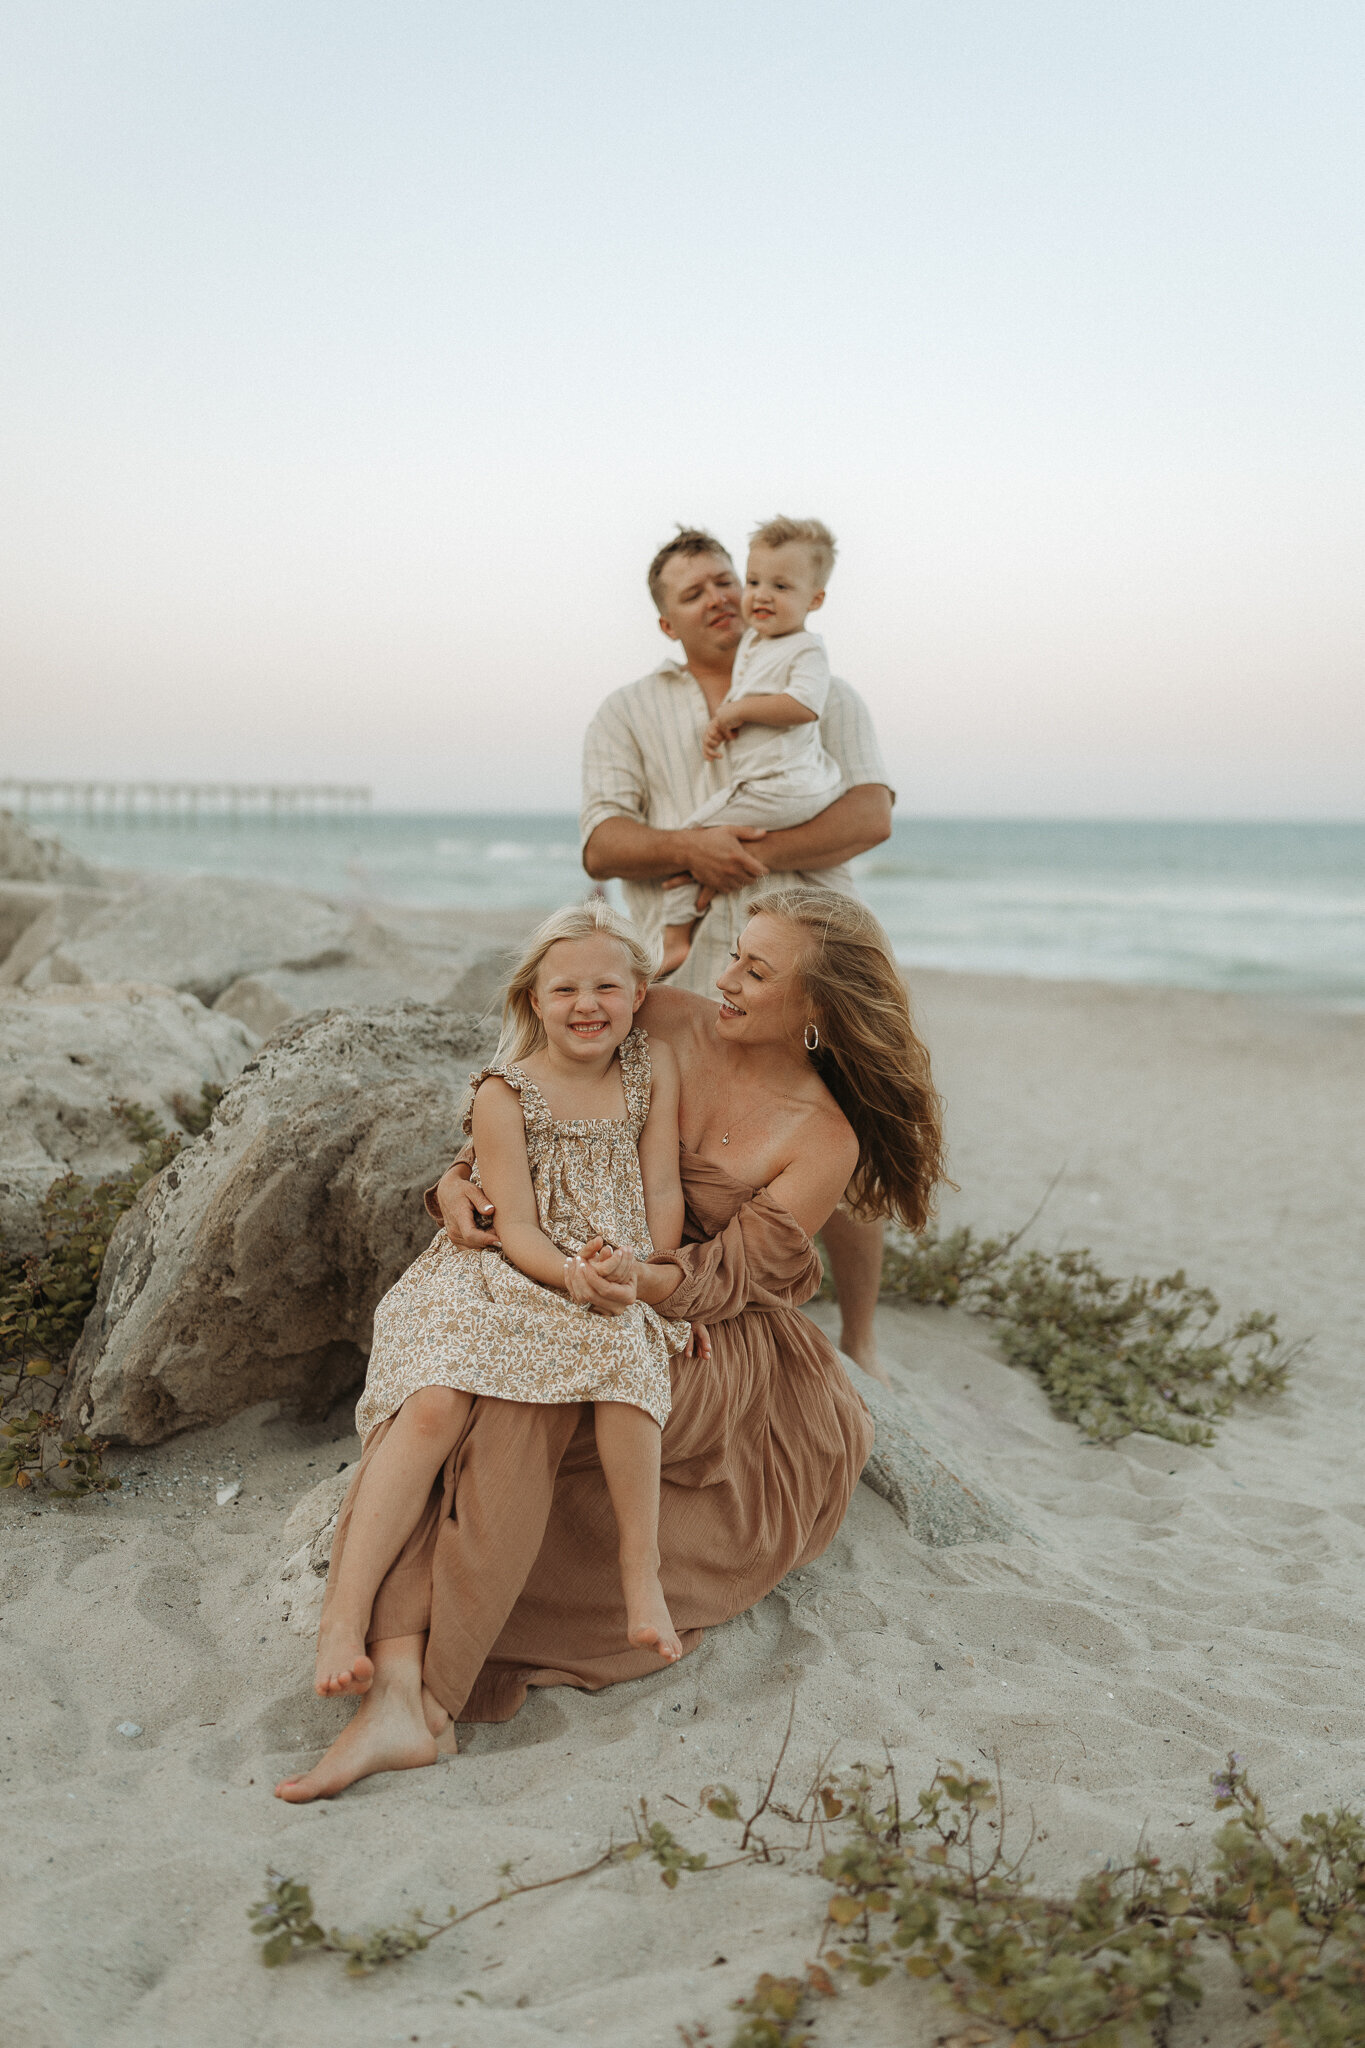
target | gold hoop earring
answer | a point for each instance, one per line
(810, 1038)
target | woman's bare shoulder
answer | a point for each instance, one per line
(673, 1014)
(828, 1129)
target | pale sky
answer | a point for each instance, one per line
(356, 358)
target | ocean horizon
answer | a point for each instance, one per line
(1243, 907)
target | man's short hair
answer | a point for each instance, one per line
(688, 540)
(811, 533)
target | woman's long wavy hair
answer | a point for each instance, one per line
(869, 1056)
(522, 1031)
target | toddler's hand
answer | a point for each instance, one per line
(613, 1262)
(723, 727)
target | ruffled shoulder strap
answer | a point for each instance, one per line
(637, 1077)
(534, 1109)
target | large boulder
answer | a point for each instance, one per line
(35, 916)
(28, 857)
(66, 1054)
(198, 933)
(260, 952)
(249, 1270)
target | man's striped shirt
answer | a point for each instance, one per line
(642, 759)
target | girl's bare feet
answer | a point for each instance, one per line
(649, 1625)
(343, 1665)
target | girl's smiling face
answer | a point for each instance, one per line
(586, 996)
(763, 997)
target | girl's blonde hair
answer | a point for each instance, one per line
(522, 1031)
(868, 1054)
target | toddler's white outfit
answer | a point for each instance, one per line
(776, 776)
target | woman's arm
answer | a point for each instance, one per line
(659, 1154)
(500, 1141)
(764, 1257)
(811, 1185)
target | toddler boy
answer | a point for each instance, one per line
(768, 727)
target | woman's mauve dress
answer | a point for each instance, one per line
(512, 1569)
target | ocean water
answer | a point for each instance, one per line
(1271, 909)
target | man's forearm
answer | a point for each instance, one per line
(857, 820)
(622, 850)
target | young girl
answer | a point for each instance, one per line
(575, 1132)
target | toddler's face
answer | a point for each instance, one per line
(586, 996)
(779, 589)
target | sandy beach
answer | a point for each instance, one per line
(1167, 1605)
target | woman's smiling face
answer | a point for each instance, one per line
(763, 998)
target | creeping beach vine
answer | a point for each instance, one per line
(1113, 1356)
(929, 1891)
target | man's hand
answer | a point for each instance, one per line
(729, 720)
(466, 1212)
(720, 859)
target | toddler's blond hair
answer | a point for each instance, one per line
(810, 533)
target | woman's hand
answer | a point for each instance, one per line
(466, 1212)
(698, 1345)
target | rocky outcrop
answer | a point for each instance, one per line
(197, 933)
(34, 915)
(28, 857)
(257, 951)
(249, 1270)
(65, 1056)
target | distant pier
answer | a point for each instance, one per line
(185, 803)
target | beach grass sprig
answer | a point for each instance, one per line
(46, 1296)
(1113, 1356)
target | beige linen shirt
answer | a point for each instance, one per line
(642, 759)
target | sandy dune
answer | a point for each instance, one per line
(1175, 1604)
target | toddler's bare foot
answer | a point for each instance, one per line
(677, 946)
(342, 1665)
(649, 1625)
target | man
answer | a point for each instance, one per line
(643, 772)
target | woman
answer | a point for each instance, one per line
(805, 1086)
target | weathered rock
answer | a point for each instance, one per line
(66, 1054)
(199, 933)
(925, 1487)
(35, 917)
(28, 857)
(921, 1479)
(257, 951)
(256, 1004)
(250, 1269)
(297, 1587)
